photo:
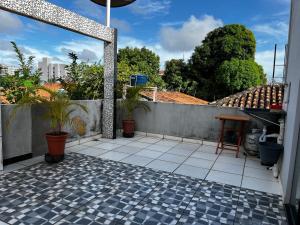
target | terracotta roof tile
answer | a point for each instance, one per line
(261, 97)
(50, 86)
(174, 97)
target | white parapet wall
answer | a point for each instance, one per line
(25, 134)
(182, 120)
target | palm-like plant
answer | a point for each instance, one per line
(58, 107)
(133, 102)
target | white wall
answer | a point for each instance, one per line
(292, 96)
(180, 120)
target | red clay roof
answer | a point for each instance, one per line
(174, 97)
(261, 97)
(50, 86)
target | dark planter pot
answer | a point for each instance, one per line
(128, 128)
(269, 153)
(56, 146)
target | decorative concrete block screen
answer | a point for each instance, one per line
(51, 14)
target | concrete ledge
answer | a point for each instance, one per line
(140, 133)
(155, 135)
(210, 143)
(195, 141)
(82, 140)
(173, 138)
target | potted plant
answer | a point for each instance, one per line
(58, 110)
(130, 103)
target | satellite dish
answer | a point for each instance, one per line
(114, 3)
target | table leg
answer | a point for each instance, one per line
(221, 137)
(240, 137)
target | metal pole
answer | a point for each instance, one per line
(108, 4)
(274, 63)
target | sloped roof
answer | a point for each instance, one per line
(261, 97)
(174, 97)
(50, 86)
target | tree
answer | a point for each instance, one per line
(222, 44)
(175, 74)
(83, 81)
(14, 87)
(26, 66)
(141, 60)
(92, 81)
(237, 75)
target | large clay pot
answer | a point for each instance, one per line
(56, 146)
(128, 128)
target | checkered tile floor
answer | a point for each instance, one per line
(192, 158)
(88, 190)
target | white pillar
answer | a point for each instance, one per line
(108, 3)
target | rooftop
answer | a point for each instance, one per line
(174, 97)
(261, 97)
(143, 180)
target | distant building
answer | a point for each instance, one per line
(51, 70)
(7, 70)
(161, 73)
(172, 97)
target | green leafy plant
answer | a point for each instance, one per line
(83, 81)
(133, 61)
(58, 107)
(238, 75)
(133, 102)
(14, 87)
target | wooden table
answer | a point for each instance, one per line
(234, 147)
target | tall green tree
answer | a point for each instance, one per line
(222, 44)
(237, 75)
(141, 60)
(175, 74)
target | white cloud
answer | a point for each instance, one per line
(120, 24)
(5, 46)
(151, 7)
(8, 56)
(157, 48)
(10, 23)
(265, 58)
(261, 42)
(189, 35)
(166, 55)
(87, 50)
(125, 41)
(278, 29)
(87, 56)
(170, 24)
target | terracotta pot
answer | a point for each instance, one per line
(56, 144)
(128, 128)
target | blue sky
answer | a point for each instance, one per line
(171, 28)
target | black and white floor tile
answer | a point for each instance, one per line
(90, 191)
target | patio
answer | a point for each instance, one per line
(144, 180)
